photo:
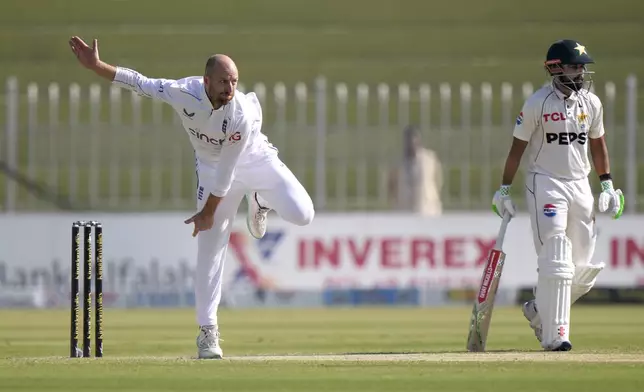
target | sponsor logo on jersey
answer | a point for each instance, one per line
(554, 117)
(234, 138)
(566, 138)
(189, 115)
(549, 210)
(204, 138)
(520, 118)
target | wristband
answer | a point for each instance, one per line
(605, 177)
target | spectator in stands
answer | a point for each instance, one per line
(415, 184)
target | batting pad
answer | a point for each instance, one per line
(584, 280)
(554, 284)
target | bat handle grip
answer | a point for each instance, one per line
(504, 226)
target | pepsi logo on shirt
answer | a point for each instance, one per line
(549, 210)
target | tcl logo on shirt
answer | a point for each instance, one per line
(554, 117)
(565, 138)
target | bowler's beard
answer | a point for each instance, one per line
(219, 99)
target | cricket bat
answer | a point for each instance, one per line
(484, 302)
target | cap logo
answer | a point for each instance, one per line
(581, 49)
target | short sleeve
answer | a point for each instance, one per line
(597, 125)
(526, 122)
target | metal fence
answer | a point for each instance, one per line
(100, 147)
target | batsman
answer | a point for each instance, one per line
(557, 125)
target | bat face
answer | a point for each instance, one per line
(489, 273)
(484, 304)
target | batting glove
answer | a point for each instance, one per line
(611, 200)
(502, 202)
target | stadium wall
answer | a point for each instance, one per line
(338, 260)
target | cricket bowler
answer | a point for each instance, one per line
(557, 125)
(234, 159)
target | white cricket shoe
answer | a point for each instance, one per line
(257, 216)
(208, 343)
(530, 312)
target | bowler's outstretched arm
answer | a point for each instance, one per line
(162, 89)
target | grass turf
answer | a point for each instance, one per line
(385, 349)
(290, 40)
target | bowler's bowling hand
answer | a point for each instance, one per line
(203, 221)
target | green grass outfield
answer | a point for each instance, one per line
(370, 41)
(293, 40)
(368, 349)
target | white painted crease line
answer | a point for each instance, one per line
(486, 357)
(437, 358)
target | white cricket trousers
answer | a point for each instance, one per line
(562, 207)
(280, 190)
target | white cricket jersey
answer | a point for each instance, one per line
(221, 138)
(557, 131)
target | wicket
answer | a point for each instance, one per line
(74, 350)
